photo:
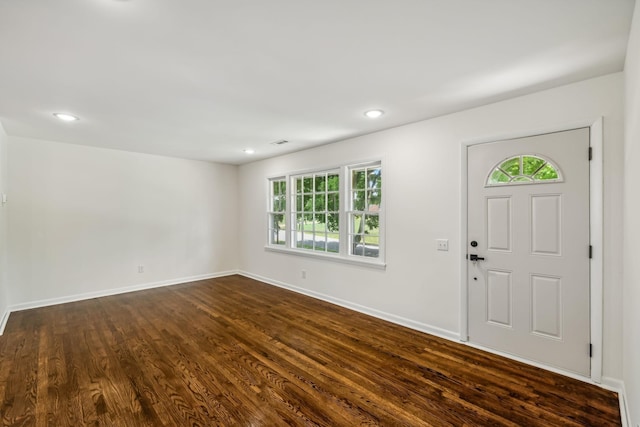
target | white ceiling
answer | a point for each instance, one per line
(204, 79)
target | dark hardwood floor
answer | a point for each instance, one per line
(236, 352)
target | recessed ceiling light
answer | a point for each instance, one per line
(249, 150)
(66, 117)
(373, 114)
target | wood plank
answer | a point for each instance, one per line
(234, 351)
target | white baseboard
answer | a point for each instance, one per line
(412, 324)
(617, 385)
(107, 292)
(4, 319)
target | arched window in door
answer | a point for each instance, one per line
(524, 169)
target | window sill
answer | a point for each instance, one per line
(336, 258)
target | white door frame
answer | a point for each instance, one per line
(596, 226)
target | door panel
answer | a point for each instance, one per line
(530, 296)
(546, 306)
(499, 223)
(546, 224)
(499, 297)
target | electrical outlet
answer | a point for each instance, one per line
(442, 244)
(303, 274)
(141, 269)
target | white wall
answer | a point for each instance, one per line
(82, 219)
(422, 170)
(4, 293)
(631, 291)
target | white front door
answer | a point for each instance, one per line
(528, 217)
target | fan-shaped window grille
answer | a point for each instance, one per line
(524, 169)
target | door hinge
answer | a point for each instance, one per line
(590, 350)
(590, 251)
(590, 153)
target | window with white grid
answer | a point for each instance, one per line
(365, 199)
(278, 211)
(317, 211)
(333, 213)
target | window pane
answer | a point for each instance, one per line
(305, 243)
(333, 202)
(357, 245)
(320, 204)
(325, 233)
(308, 184)
(371, 236)
(547, 172)
(371, 250)
(356, 224)
(511, 166)
(304, 233)
(358, 200)
(498, 176)
(333, 182)
(372, 224)
(524, 169)
(333, 236)
(307, 205)
(278, 221)
(364, 236)
(374, 178)
(320, 228)
(279, 204)
(300, 223)
(277, 229)
(298, 185)
(373, 200)
(320, 183)
(333, 224)
(530, 165)
(319, 243)
(358, 180)
(298, 203)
